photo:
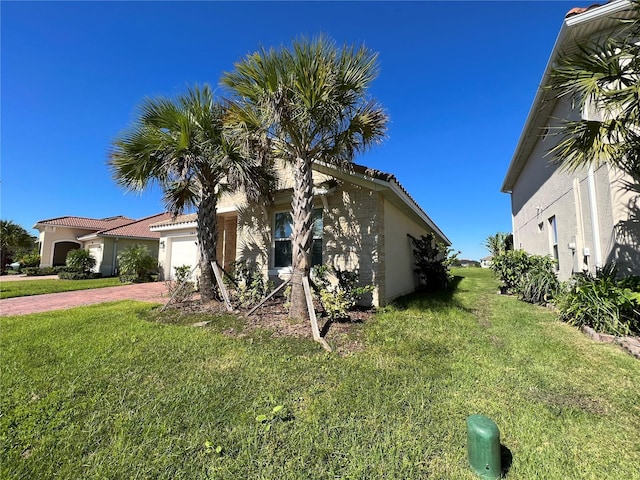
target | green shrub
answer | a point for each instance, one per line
(39, 271)
(136, 264)
(249, 284)
(340, 295)
(30, 260)
(601, 303)
(539, 284)
(181, 289)
(432, 263)
(80, 260)
(77, 275)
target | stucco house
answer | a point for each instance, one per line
(364, 221)
(105, 238)
(583, 219)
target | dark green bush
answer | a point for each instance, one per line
(30, 260)
(136, 264)
(340, 295)
(432, 263)
(39, 271)
(80, 260)
(72, 273)
(249, 284)
(539, 284)
(601, 303)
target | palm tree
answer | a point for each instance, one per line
(305, 104)
(601, 78)
(180, 144)
(13, 239)
(499, 243)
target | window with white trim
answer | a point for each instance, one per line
(282, 231)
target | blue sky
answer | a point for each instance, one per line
(456, 78)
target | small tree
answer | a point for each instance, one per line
(136, 264)
(432, 263)
(499, 243)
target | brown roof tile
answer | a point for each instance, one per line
(579, 10)
(138, 228)
(87, 223)
(186, 218)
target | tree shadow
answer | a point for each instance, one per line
(627, 233)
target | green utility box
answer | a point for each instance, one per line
(483, 447)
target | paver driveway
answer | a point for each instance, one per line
(144, 292)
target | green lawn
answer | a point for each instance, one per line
(100, 392)
(24, 288)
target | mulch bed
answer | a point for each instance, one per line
(342, 335)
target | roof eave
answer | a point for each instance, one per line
(541, 108)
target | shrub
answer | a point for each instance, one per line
(39, 271)
(250, 285)
(432, 263)
(136, 264)
(539, 284)
(30, 260)
(181, 289)
(600, 303)
(66, 273)
(340, 295)
(80, 260)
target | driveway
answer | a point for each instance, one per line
(155, 292)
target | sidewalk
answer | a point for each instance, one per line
(145, 292)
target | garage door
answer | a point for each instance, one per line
(184, 251)
(96, 252)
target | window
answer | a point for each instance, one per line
(553, 240)
(282, 239)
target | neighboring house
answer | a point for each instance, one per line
(104, 238)
(583, 219)
(364, 221)
(485, 262)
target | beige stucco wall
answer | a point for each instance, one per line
(52, 235)
(582, 204)
(352, 218)
(399, 265)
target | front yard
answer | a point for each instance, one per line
(103, 392)
(25, 288)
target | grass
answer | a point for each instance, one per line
(101, 392)
(24, 288)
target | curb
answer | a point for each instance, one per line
(630, 344)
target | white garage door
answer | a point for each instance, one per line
(96, 252)
(184, 251)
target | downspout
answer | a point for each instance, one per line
(593, 205)
(113, 262)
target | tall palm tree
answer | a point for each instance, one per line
(305, 104)
(180, 144)
(601, 78)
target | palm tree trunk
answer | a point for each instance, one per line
(207, 239)
(301, 238)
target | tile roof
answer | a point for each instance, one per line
(186, 218)
(579, 10)
(138, 228)
(87, 223)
